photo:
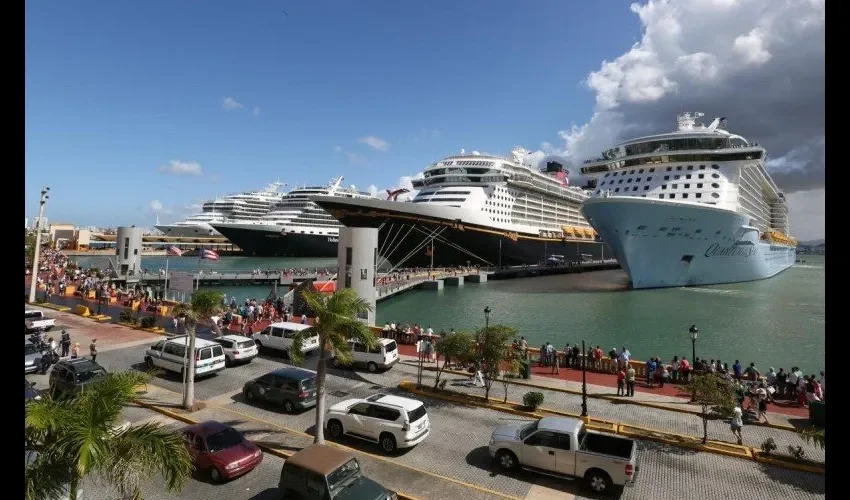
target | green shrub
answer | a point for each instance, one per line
(148, 322)
(532, 400)
(126, 316)
(797, 452)
(768, 446)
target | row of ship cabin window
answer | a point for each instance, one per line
(666, 178)
(669, 169)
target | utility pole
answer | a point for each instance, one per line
(35, 256)
(583, 380)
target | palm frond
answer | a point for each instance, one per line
(47, 415)
(46, 476)
(143, 451)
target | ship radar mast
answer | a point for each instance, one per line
(335, 183)
(688, 121)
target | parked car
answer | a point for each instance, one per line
(220, 450)
(30, 392)
(70, 376)
(170, 354)
(288, 387)
(237, 349)
(562, 446)
(391, 421)
(32, 357)
(383, 356)
(36, 320)
(278, 336)
(321, 472)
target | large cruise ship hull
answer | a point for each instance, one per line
(459, 237)
(188, 231)
(669, 244)
(258, 240)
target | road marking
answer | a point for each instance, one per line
(540, 492)
(377, 457)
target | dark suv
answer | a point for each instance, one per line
(320, 472)
(288, 387)
(71, 376)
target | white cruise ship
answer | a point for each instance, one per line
(691, 207)
(238, 207)
(487, 210)
(295, 227)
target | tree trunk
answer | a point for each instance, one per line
(321, 371)
(488, 382)
(189, 397)
(704, 424)
(75, 484)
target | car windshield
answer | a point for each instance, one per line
(308, 384)
(339, 477)
(90, 375)
(245, 344)
(527, 430)
(223, 440)
(30, 348)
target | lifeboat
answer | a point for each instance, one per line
(568, 230)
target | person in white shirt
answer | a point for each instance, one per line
(737, 423)
(430, 330)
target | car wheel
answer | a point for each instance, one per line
(335, 429)
(507, 460)
(149, 362)
(372, 367)
(388, 443)
(598, 481)
(215, 475)
(249, 394)
(288, 406)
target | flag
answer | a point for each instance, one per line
(209, 255)
(172, 250)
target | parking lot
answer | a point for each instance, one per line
(457, 446)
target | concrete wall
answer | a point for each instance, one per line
(356, 257)
(128, 249)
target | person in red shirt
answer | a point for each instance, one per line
(621, 381)
(685, 369)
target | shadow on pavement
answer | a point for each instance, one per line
(662, 448)
(239, 397)
(269, 494)
(805, 481)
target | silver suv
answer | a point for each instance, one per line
(391, 421)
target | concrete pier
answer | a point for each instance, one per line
(432, 285)
(454, 281)
(477, 278)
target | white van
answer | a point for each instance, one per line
(382, 356)
(278, 336)
(170, 354)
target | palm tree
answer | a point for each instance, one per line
(335, 323)
(203, 305)
(73, 438)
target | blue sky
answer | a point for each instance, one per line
(117, 90)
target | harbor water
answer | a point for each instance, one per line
(778, 322)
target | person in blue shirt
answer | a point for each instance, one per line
(650, 371)
(738, 370)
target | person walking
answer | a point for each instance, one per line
(65, 342)
(621, 382)
(93, 350)
(630, 381)
(737, 423)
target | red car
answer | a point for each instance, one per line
(221, 450)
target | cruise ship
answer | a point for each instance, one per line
(295, 227)
(238, 207)
(691, 207)
(478, 209)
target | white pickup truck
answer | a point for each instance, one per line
(36, 319)
(562, 447)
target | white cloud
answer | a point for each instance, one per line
(256, 111)
(406, 182)
(758, 62)
(373, 190)
(375, 143)
(178, 167)
(156, 206)
(230, 104)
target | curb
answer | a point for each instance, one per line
(268, 449)
(49, 305)
(679, 440)
(607, 397)
(156, 329)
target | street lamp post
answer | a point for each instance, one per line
(583, 380)
(35, 256)
(694, 331)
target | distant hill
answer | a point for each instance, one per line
(813, 243)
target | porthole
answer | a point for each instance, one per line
(688, 176)
(690, 167)
(651, 170)
(687, 186)
(715, 195)
(699, 185)
(702, 167)
(716, 167)
(715, 176)
(702, 176)
(684, 195)
(675, 186)
(609, 173)
(617, 190)
(648, 179)
(672, 195)
(666, 177)
(697, 231)
(661, 196)
(634, 188)
(646, 188)
(630, 173)
(640, 171)
(678, 168)
(715, 185)
(669, 168)
(699, 195)
(664, 186)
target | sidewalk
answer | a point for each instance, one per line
(279, 440)
(605, 384)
